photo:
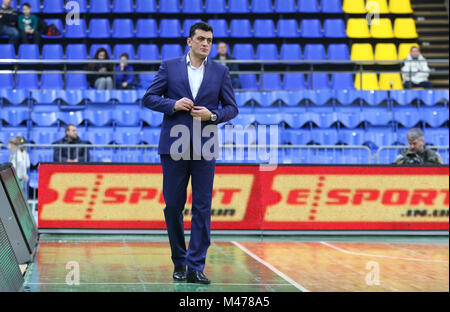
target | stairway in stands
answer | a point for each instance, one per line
(432, 25)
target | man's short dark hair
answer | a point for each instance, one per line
(68, 127)
(200, 25)
(26, 4)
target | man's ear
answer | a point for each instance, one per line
(189, 41)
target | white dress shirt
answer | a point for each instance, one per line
(195, 75)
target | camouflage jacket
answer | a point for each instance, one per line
(426, 157)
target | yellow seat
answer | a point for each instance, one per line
(377, 6)
(405, 28)
(362, 52)
(381, 28)
(369, 81)
(404, 49)
(354, 7)
(357, 28)
(386, 52)
(391, 81)
(400, 7)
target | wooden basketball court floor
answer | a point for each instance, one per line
(141, 263)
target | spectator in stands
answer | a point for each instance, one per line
(222, 55)
(415, 70)
(417, 153)
(71, 154)
(21, 162)
(8, 22)
(28, 25)
(124, 81)
(103, 81)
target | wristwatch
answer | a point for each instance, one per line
(213, 117)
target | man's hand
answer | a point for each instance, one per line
(201, 112)
(183, 104)
(124, 84)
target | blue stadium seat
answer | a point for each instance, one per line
(76, 81)
(377, 115)
(290, 51)
(99, 114)
(123, 48)
(13, 96)
(14, 115)
(324, 136)
(122, 6)
(80, 7)
(270, 81)
(35, 5)
(267, 51)
(151, 136)
(171, 50)
(6, 81)
(215, 6)
(349, 116)
(128, 135)
(94, 47)
(243, 119)
(322, 116)
(100, 135)
(405, 97)
(58, 24)
(264, 28)
(433, 97)
(99, 28)
(319, 81)
(220, 27)
(76, 30)
(7, 51)
(308, 6)
(145, 80)
(314, 52)
(170, 28)
(381, 135)
(311, 28)
(238, 6)
(44, 135)
(240, 28)
(434, 116)
(29, 52)
(285, 6)
(373, 97)
(7, 133)
(295, 137)
(169, 6)
(100, 6)
(152, 118)
(351, 136)
(49, 118)
(53, 6)
(342, 81)
(338, 51)
(243, 51)
(72, 117)
(268, 116)
(287, 28)
(122, 28)
(436, 136)
(334, 28)
(331, 6)
(146, 28)
(407, 116)
(248, 81)
(148, 52)
(146, 6)
(76, 51)
(296, 119)
(27, 81)
(187, 26)
(51, 81)
(294, 81)
(192, 6)
(127, 115)
(52, 52)
(262, 6)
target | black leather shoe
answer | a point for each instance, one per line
(197, 277)
(179, 275)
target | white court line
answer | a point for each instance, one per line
(149, 283)
(271, 267)
(379, 256)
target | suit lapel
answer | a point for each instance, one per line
(184, 72)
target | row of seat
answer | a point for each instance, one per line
(248, 98)
(320, 116)
(223, 6)
(381, 28)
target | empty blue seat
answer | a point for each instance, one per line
(170, 28)
(314, 52)
(52, 52)
(264, 28)
(122, 6)
(238, 6)
(127, 115)
(294, 81)
(146, 6)
(94, 47)
(48, 118)
(127, 48)
(29, 52)
(99, 28)
(405, 97)
(373, 97)
(324, 136)
(295, 137)
(35, 5)
(100, 6)
(27, 81)
(7, 133)
(76, 51)
(270, 81)
(308, 6)
(436, 136)
(146, 28)
(53, 6)
(342, 81)
(171, 50)
(296, 119)
(187, 26)
(44, 135)
(285, 6)
(290, 51)
(407, 116)
(377, 115)
(127, 135)
(100, 135)
(169, 6)
(50, 81)
(6, 81)
(338, 51)
(72, 117)
(267, 51)
(319, 81)
(331, 6)
(13, 96)
(7, 51)
(240, 28)
(145, 80)
(243, 51)
(75, 6)
(99, 114)
(76, 81)
(148, 52)
(434, 116)
(220, 27)
(262, 6)
(351, 136)
(59, 26)
(287, 28)
(380, 136)
(334, 28)
(77, 29)
(322, 116)
(215, 6)
(248, 81)
(192, 6)
(349, 116)
(311, 28)
(152, 118)
(122, 28)
(151, 136)
(14, 115)
(432, 97)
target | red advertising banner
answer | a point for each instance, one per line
(119, 196)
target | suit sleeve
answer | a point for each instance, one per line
(153, 97)
(229, 107)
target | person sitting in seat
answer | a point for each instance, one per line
(415, 71)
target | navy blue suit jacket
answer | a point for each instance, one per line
(171, 83)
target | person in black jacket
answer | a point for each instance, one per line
(8, 22)
(222, 55)
(71, 154)
(102, 81)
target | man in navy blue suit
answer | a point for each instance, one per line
(195, 94)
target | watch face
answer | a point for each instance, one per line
(213, 117)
